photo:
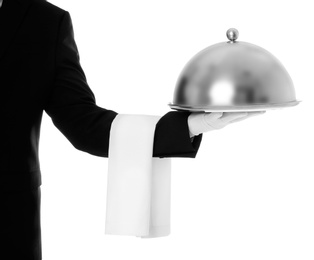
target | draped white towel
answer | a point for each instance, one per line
(138, 186)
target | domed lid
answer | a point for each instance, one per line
(233, 76)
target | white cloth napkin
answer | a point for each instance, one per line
(138, 186)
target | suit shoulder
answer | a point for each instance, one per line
(48, 9)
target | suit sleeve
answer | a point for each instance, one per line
(73, 110)
(172, 137)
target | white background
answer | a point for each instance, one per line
(249, 194)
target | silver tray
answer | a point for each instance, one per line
(248, 108)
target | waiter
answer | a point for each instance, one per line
(40, 71)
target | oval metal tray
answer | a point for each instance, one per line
(248, 108)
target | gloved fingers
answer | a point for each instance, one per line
(213, 120)
(212, 116)
(231, 116)
(250, 114)
(196, 115)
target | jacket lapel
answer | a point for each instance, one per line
(11, 17)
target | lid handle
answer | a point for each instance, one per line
(232, 34)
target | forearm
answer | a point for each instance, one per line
(72, 107)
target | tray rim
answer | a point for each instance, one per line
(256, 107)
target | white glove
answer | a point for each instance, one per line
(203, 122)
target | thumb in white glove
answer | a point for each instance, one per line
(203, 122)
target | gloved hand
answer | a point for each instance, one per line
(201, 122)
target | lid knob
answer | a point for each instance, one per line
(232, 34)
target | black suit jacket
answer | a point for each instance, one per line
(40, 71)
